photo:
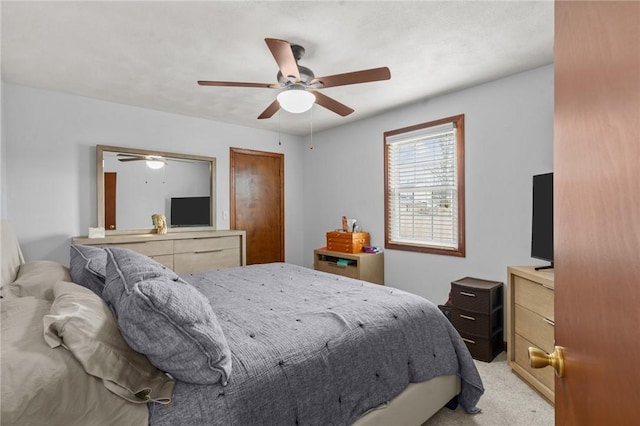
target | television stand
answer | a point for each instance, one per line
(539, 268)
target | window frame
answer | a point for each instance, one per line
(460, 250)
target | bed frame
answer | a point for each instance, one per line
(415, 405)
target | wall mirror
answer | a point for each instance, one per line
(134, 184)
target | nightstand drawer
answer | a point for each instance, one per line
(476, 323)
(469, 294)
(483, 349)
(350, 271)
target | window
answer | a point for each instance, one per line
(424, 187)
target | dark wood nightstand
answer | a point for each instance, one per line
(478, 315)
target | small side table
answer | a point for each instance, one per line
(361, 266)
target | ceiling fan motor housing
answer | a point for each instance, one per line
(306, 75)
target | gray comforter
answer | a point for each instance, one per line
(311, 348)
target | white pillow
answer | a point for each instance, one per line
(10, 253)
(81, 322)
(45, 386)
(37, 277)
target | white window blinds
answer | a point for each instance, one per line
(422, 187)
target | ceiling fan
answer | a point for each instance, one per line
(299, 86)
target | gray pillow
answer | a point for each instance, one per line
(88, 266)
(165, 318)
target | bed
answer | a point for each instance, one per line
(261, 344)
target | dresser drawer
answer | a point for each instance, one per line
(184, 263)
(164, 259)
(148, 248)
(533, 296)
(203, 245)
(184, 251)
(476, 323)
(539, 330)
(544, 375)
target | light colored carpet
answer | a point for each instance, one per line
(507, 400)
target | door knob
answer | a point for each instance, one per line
(539, 359)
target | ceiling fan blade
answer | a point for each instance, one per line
(364, 76)
(236, 84)
(282, 53)
(331, 104)
(271, 109)
(132, 159)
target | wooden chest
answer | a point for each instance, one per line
(347, 242)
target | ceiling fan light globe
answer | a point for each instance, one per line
(296, 100)
(155, 164)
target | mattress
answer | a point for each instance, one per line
(316, 349)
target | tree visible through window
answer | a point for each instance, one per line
(424, 187)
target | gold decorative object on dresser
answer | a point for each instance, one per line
(530, 323)
(361, 266)
(184, 252)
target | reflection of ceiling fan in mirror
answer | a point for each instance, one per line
(153, 161)
(300, 86)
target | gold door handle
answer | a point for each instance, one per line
(539, 359)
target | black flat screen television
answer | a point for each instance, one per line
(190, 211)
(542, 219)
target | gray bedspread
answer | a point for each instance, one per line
(311, 348)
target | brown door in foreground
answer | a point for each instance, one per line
(110, 179)
(257, 202)
(597, 211)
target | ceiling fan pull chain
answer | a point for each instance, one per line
(311, 127)
(279, 131)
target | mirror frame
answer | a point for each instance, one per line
(101, 149)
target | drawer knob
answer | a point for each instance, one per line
(540, 359)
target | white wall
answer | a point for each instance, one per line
(49, 141)
(508, 139)
(3, 163)
(48, 180)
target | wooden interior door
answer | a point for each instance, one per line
(257, 202)
(110, 180)
(597, 211)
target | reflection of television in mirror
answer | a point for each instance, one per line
(542, 219)
(190, 211)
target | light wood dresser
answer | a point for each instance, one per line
(530, 322)
(184, 252)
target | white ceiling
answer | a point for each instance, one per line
(151, 53)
